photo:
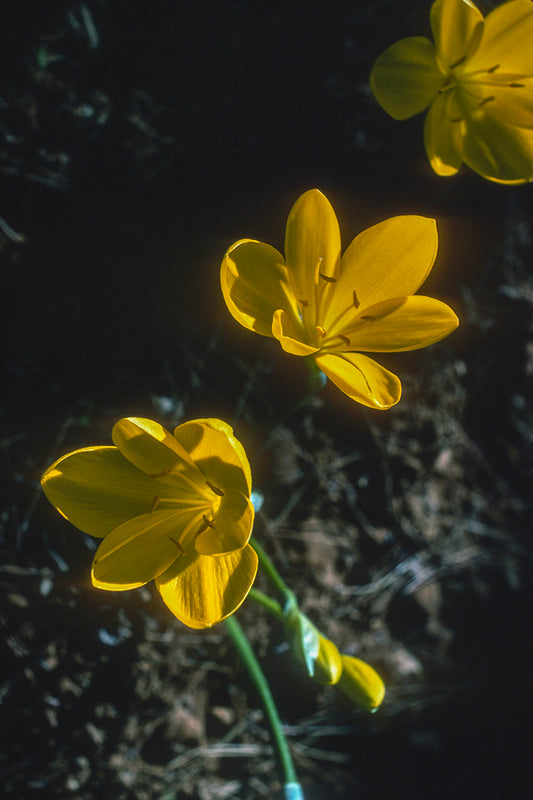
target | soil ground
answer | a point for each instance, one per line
(139, 142)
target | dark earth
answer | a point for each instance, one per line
(139, 140)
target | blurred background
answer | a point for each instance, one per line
(138, 141)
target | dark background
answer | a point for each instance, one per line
(139, 140)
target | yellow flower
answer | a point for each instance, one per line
(476, 80)
(326, 665)
(174, 508)
(317, 304)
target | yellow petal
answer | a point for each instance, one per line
(507, 39)
(149, 446)
(232, 526)
(361, 683)
(254, 282)
(512, 102)
(290, 335)
(391, 259)
(203, 590)
(97, 489)
(405, 323)
(218, 455)
(312, 243)
(457, 27)
(443, 135)
(141, 549)
(362, 379)
(498, 151)
(405, 78)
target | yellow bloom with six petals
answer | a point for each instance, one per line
(171, 508)
(476, 80)
(317, 304)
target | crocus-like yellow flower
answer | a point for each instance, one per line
(174, 508)
(317, 304)
(326, 665)
(476, 80)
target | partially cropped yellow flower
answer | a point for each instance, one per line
(476, 80)
(174, 508)
(317, 304)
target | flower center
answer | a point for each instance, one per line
(207, 504)
(477, 84)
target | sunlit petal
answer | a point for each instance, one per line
(97, 489)
(443, 136)
(362, 379)
(312, 241)
(217, 454)
(290, 335)
(405, 78)
(254, 283)
(141, 549)
(390, 259)
(231, 527)
(405, 323)
(203, 590)
(457, 27)
(361, 683)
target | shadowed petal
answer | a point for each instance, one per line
(507, 39)
(390, 259)
(202, 590)
(150, 447)
(218, 455)
(312, 238)
(141, 549)
(405, 78)
(97, 489)
(254, 283)
(457, 27)
(443, 135)
(405, 323)
(497, 151)
(289, 335)
(232, 526)
(361, 683)
(362, 379)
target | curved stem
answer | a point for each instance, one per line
(240, 640)
(271, 605)
(271, 570)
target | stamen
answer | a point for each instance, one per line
(155, 503)
(486, 100)
(355, 299)
(494, 68)
(304, 303)
(368, 318)
(161, 474)
(456, 119)
(516, 85)
(178, 545)
(320, 330)
(459, 61)
(327, 278)
(344, 338)
(215, 489)
(208, 522)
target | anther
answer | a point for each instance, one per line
(304, 303)
(355, 299)
(486, 100)
(456, 119)
(155, 503)
(208, 522)
(215, 489)
(494, 68)
(320, 330)
(516, 85)
(368, 318)
(327, 278)
(344, 338)
(461, 61)
(178, 545)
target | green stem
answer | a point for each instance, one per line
(271, 570)
(240, 640)
(271, 605)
